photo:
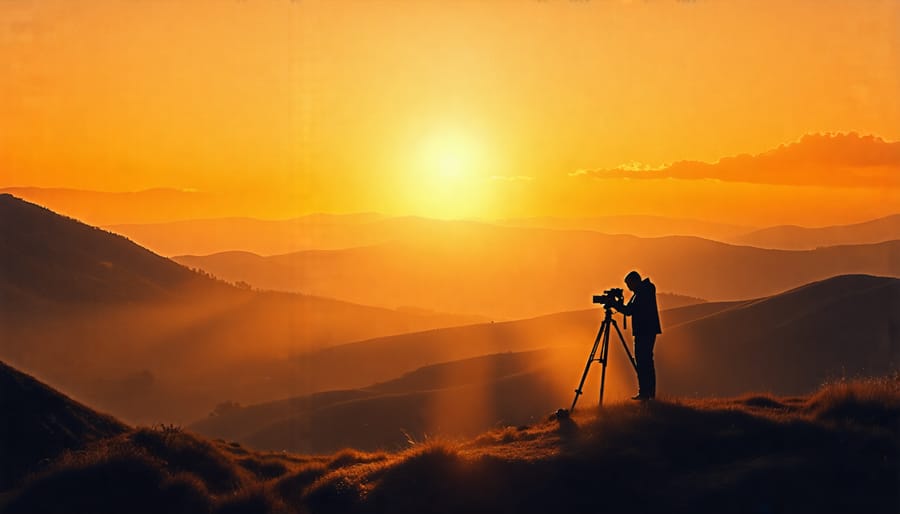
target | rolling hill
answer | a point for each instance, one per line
(49, 258)
(456, 398)
(332, 232)
(830, 315)
(636, 225)
(268, 237)
(785, 344)
(115, 323)
(789, 343)
(510, 273)
(533, 381)
(835, 450)
(790, 237)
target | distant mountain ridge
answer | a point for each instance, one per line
(636, 225)
(334, 232)
(790, 237)
(512, 273)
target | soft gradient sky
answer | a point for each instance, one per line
(444, 108)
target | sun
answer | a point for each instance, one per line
(448, 157)
(447, 177)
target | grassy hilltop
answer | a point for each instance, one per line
(837, 450)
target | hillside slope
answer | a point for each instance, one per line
(47, 257)
(148, 339)
(788, 343)
(331, 232)
(40, 423)
(459, 398)
(808, 334)
(834, 451)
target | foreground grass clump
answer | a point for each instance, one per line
(184, 452)
(153, 470)
(114, 477)
(835, 451)
(870, 402)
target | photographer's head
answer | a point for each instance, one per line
(633, 280)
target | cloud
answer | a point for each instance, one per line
(831, 160)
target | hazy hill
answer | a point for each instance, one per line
(40, 423)
(330, 232)
(636, 225)
(509, 273)
(268, 237)
(834, 451)
(474, 393)
(791, 237)
(363, 363)
(787, 344)
(454, 398)
(146, 338)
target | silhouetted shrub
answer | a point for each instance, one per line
(182, 451)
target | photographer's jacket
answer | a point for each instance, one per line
(643, 311)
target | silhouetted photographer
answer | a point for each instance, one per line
(644, 327)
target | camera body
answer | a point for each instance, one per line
(610, 297)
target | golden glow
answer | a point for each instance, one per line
(448, 158)
(281, 108)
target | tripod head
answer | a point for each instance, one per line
(607, 311)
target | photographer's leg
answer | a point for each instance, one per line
(651, 368)
(643, 356)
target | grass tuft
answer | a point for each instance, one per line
(183, 451)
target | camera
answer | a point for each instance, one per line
(610, 297)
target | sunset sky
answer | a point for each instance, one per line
(484, 109)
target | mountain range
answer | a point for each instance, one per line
(509, 273)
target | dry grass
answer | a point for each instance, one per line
(836, 451)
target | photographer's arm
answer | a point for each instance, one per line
(623, 308)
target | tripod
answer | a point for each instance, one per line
(603, 335)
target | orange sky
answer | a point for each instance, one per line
(446, 108)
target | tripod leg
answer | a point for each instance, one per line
(627, 351)
(604, 354)
(587, 366)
